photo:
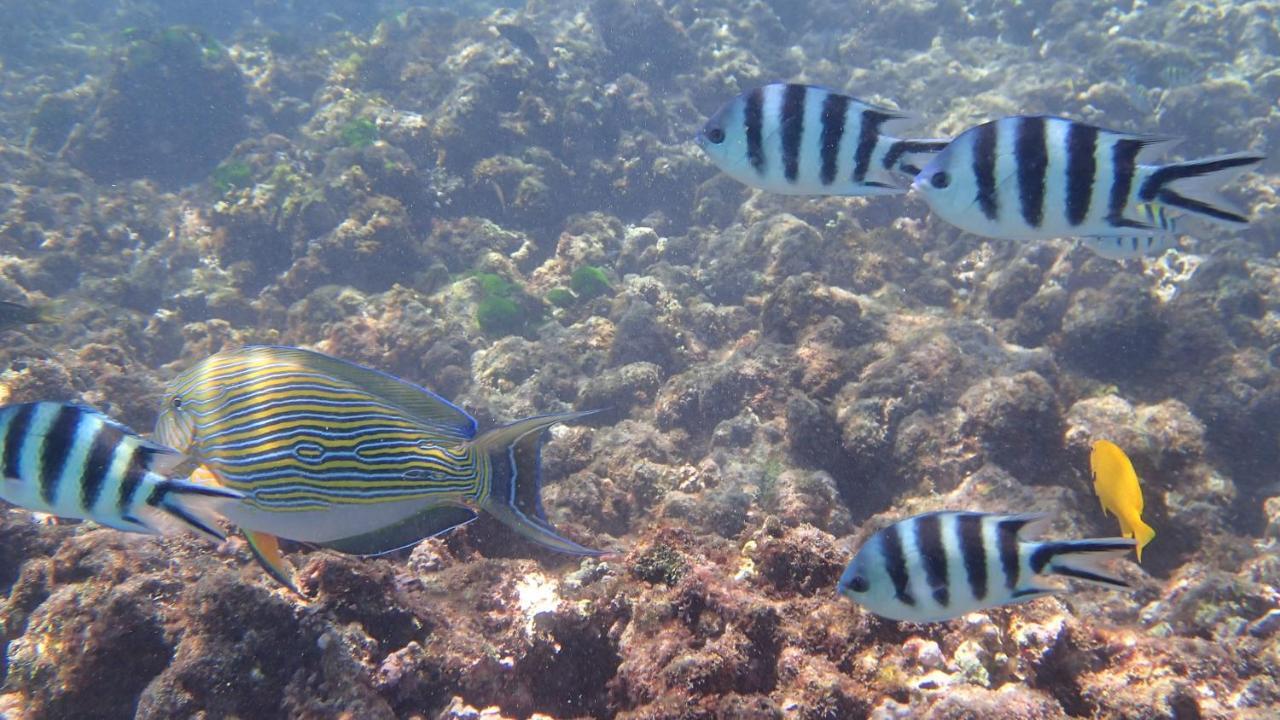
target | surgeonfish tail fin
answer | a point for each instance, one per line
(176, 505)
(515, 493)
(1082, 559)
(910, 156)
(1192, 186)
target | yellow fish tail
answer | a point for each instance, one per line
(1142, 533)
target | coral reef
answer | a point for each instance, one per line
(502, 204)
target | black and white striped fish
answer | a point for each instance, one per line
(74, 462)
(1124, 247)
(806, 140)
(1035, 177)
(941, 565)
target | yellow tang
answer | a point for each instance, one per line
(1117, 486)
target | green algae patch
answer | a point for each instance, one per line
(359, 133)
(232, 175)
(504, 308)
(561, 297)
(589, 282)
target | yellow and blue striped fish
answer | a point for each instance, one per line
(349, 458)
(74, 462)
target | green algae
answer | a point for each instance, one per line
(359, 133)
(589, 282)
(232, 175)
(504, 308)
(561, 297)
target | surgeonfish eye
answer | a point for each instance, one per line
(858, 584)
(940, 179)
(715, 135)
(176, 402)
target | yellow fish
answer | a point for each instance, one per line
(1117, 486)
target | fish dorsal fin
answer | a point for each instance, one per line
(423, 405)
(1025, 526)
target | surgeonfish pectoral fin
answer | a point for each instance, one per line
(410, 531)
(266, 550)
(180, 505)
(515, 497)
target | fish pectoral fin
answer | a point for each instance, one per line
(404, 533)
(266, 550)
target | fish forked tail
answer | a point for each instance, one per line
(910, 156)
(1192, 186)
(515, 493)
(1142, 534)
(177, 505)
(1082, 559)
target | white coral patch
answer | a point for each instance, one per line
(536, 593)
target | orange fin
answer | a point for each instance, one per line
(266, 550)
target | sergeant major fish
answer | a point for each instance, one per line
(1036, 177)
(941, 565)
(13, 315)
(1124, 247)
(74, 462)
(349, 458)
(806, 140)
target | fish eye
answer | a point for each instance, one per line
(940, 179)
(715, 135)
(858, 584)
(176, 402)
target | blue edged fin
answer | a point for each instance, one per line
(515, 492)
(266, 550)
(425, 406)
(407, 532)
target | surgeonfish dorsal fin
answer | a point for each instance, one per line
(515, 495)
(428, 408)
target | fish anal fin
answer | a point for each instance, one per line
(266, 550)
(410, 531)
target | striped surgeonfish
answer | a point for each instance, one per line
(806, 140)
(1035, 177)
(941, 565)
(1124, 247)
(345, 457)
(74, 462)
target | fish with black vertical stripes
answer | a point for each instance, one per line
(349, 458)
(1150, 243)
(941, 565)
(1037, 177)
(806, 140)
(72, 461)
